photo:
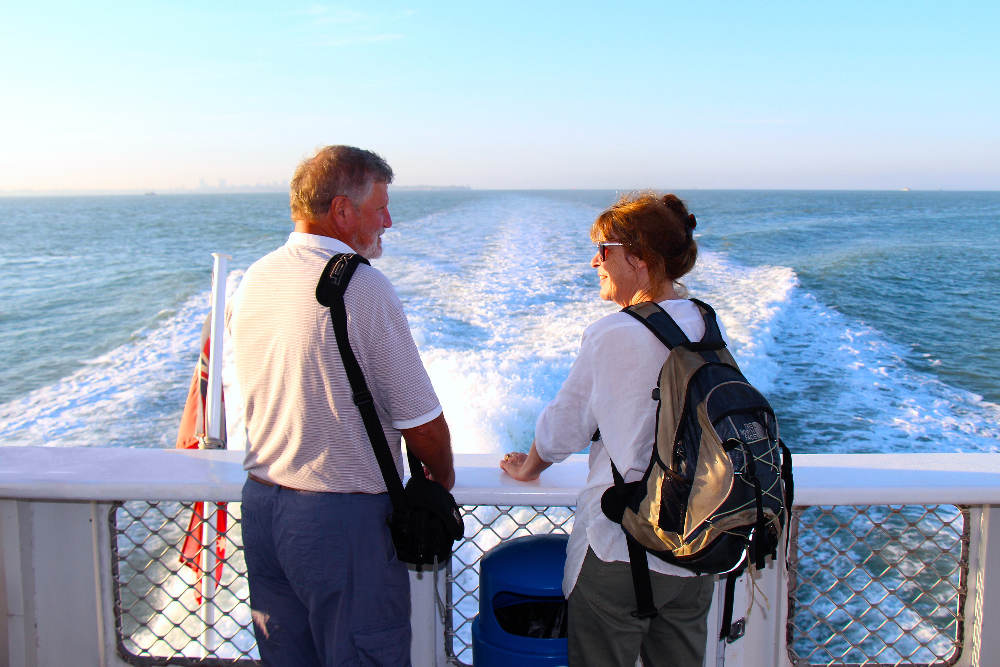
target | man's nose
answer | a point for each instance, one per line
(388, 220)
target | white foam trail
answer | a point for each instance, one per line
(747, 299)
(27, 262)
(130, 396)
(837, 384)
(499, 325)
(844, 386)
(853, 390)
(493, 390)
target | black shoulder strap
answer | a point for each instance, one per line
(659, 322)
(726, 628)
(330, 292)
(639, 562)
(654, 318)
(789, 484)
(661, 325)
(336, 274)
(712, 340)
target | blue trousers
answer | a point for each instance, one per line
(325, 586)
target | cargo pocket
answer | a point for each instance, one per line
(383, 648)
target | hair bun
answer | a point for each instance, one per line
(692, 223)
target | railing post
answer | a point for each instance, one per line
(213, 429)
(764, 640)
(52, 594)
(213, 407)
(983, 603)
(426, 588)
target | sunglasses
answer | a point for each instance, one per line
(602, 249)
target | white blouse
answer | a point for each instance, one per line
(610, 386)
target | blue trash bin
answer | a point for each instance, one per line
(522, 612)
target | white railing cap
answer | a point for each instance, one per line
(120, 473)
(115, 473)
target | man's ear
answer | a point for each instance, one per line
(338, 208)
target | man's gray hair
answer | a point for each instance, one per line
(331, 172)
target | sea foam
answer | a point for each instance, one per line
(131, 396)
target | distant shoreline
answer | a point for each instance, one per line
(269, 189)
(432, 188)
(448, 188)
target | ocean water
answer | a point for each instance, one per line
(867, 318)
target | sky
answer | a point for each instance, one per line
(202, 95)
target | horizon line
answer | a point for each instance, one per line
(124, 192)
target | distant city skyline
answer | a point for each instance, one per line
(185, 97)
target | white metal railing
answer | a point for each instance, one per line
(911, 562)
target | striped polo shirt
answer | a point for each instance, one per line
(302, 427)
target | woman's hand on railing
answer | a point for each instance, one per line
(524, 467)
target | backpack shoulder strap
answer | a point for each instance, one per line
(330, 292)
(661, 325)
(659, 322)
(642, 584)
(654, 318)
(712, 340)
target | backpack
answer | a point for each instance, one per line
(718, 489)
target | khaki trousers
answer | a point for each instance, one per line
(603, 632)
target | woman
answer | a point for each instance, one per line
(645, 245)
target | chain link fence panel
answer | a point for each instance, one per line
(159, 610)
(878, 585)
(871, 585)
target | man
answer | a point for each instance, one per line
(325, 586)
